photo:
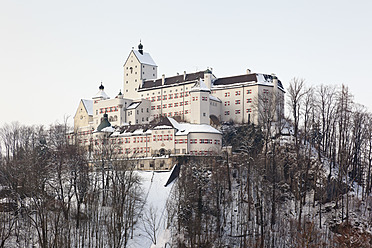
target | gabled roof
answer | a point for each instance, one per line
(144, 128)
(88, 104)
(144, 58)
(247, 78)
(173, 80)
(236, 79)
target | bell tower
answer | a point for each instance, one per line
(138, 68)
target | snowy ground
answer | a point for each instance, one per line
(156, 197)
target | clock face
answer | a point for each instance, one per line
(81, 117)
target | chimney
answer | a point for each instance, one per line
(184, 75)
(249, 71)
(162, 79)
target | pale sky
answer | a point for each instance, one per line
(53, 53)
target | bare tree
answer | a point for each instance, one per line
(150, 225)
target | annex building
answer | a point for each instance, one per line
(171, 115)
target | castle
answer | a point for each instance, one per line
(171, 115)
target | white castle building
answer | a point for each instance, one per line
(188, 104)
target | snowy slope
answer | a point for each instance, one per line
(156, 196)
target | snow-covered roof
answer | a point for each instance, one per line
(214, 98)
(109, 129)
(163, 127)
(88, 104)
(134, 105)
(101, 94)
(200, 86)
(186, 128)
(144, 58)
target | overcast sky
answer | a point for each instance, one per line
(53, 53)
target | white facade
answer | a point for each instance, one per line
(198, 98)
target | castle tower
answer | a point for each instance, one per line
(138, 67)
(199, 96)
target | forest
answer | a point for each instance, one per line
(298, 179)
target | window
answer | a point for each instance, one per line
(186, 111)
(186, 102)
(158, 107)
(153, 99)
(164, 97)
(159, 98)
(170, 114)
(175, 95)
(204, 98)
(227, 112)
(227, 94)
(249, 100)
(181, 103)
(227, 103)
(204, 114)
(181, 94)
(176, 104)
(249, 91)
(237, 93)
(164, 106)
(152, 107)
(237, 101)
(141, 110)
(249, 110)
(237, 111)
(265, 91)
(170, 96)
